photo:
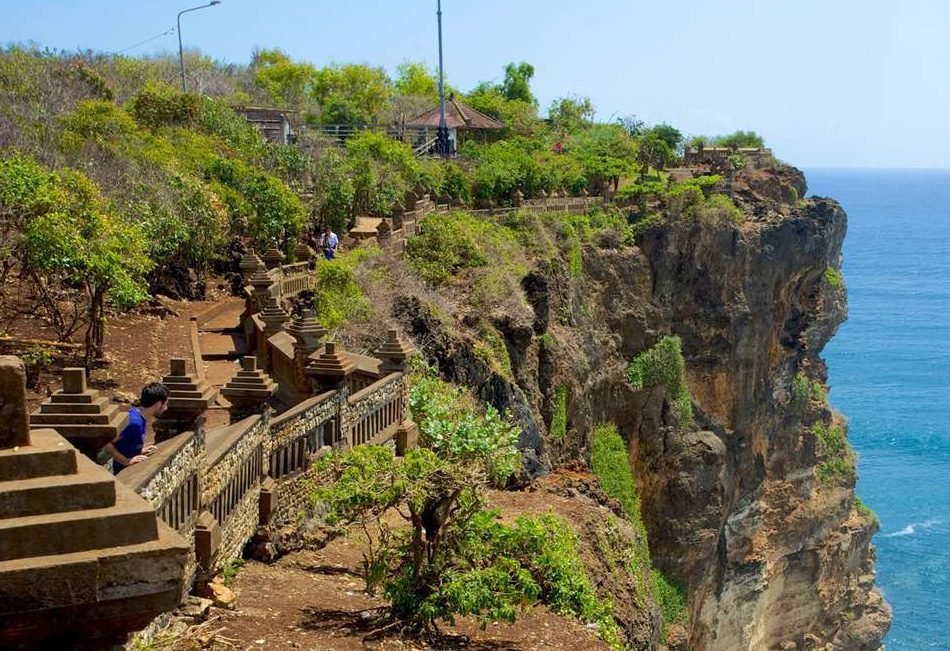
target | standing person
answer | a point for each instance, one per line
(129, 447)
(330, 243)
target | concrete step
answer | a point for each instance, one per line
(221, 346)
(88, 577)
(54, 420)
(92, 487)
(48, 455)
(129, 522)
(96, 406)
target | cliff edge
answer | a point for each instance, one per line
(751, 505)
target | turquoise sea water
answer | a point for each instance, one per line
(889, 369)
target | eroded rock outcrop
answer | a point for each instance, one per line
(773, 556)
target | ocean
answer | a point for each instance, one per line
(889, 371)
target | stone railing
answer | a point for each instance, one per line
(230, 491)
(294, 278)
(169, 481)
(300, 434)
(376, 411)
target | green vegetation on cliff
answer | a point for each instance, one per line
(611, 465)
(663, 365)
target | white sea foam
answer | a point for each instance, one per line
(911, 529)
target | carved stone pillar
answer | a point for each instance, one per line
(248, 391)
(80, 415)
(188, 399)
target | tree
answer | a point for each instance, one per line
(569, 114)
(351, 94)
(606, 151)
(80, 242)
(739, 139)
(383, 169)
(456, 558)
(653, 151)
(519, 117)
(414, 78)
(517, 83)
(285, 82)
(670, 135)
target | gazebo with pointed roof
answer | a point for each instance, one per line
(459, 120)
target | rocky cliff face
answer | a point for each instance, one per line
(774, 556)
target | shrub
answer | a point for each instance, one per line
(338, 298)
(835, 457)
(834, 278)
(611, 465)
(447, 244)
(159, 105)
(494, 351)
(719, 209)
(865, 510)
(559, 419)
(455, 429)
(457, 559)
(663, 364)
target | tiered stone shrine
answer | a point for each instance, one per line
(84, 560)
(329, 371)
(304, 253)
(251, 263)
(249, 390)
(85, 418)
(394, 353)
(273, 316)
(273, 258)
(188, 398)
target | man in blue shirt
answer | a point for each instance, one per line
(330, 242)
(130, 446)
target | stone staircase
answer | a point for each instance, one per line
(82, 556)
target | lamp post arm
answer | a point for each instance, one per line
(181, 51)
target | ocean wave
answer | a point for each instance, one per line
(912, 528)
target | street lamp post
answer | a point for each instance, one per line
(181, 52)
(443, 135)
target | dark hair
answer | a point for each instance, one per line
(153, 393)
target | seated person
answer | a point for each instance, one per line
(129, 447)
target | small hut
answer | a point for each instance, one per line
(463, 122)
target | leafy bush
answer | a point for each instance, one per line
(338, 297)
(334, 190)
(719, 209)
(455, 429)
(383, 171)
(835, 456)
(663, 364)
(160, 105)
(456, 559)
(834, 278)
(277, 212)
(492, 349)
(611, 465)
(559, 419)
(447, 244)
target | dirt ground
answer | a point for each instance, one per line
(138, 344)
(314, 599)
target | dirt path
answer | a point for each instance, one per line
(315, 600)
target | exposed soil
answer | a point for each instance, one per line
(315, 599)
(138, 344)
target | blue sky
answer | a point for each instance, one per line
(828, 83)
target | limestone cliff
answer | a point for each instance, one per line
(774, 555)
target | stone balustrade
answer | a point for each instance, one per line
(376, 411)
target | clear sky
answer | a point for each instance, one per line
(828, 83)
